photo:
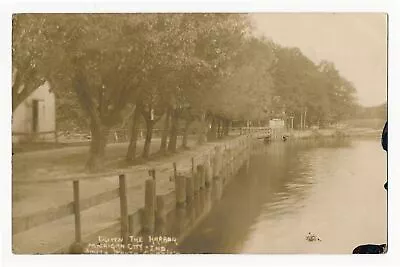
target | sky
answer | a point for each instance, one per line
(355, 42)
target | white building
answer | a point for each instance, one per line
(35, 118)
(277, 124)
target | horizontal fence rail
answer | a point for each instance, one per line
(33, 133)
(24, 223)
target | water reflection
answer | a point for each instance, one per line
(289, 188)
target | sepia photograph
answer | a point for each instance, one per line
(199, 133)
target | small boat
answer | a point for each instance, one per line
(267, 139)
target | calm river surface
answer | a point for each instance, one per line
(331, 188)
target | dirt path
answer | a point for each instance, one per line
(67, 160)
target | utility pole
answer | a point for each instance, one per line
(305, 116)
(292, 118)
(301, 120)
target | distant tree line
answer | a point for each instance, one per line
(369, 117)
(139, 70)
(374, 112)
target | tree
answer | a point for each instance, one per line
(245, 92)
(219, 39)
(100, 58)
(151, 111)
(293, 80)
(168, 42)
(25, 57)
(313, 94)
(188, 53)
(340, 91)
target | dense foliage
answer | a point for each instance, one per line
(172, 69)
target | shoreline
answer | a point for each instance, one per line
(339, 133)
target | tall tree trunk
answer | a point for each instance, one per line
(202, 134)
(99, 134)
(185, 134)
(174, 132)
(149, 134)
(131, 154)
(164, 137)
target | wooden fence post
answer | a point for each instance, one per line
(175, 172)
(77, 246)
(230, 172)
(152, 174)
(200, 176)
(149, 206)
(224, 165)
(77, 212)
(192, 166)
(217, 162)
(202, 198)
(124, 210)
(233, 162)
(179, 225)
(180, 190)
(196, 182)
(160, 211)
(160, 214)
(211, 165)
(131, 228)
(189, 189)
(217, 188)
(207, 172)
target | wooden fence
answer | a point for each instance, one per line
(222, 162)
